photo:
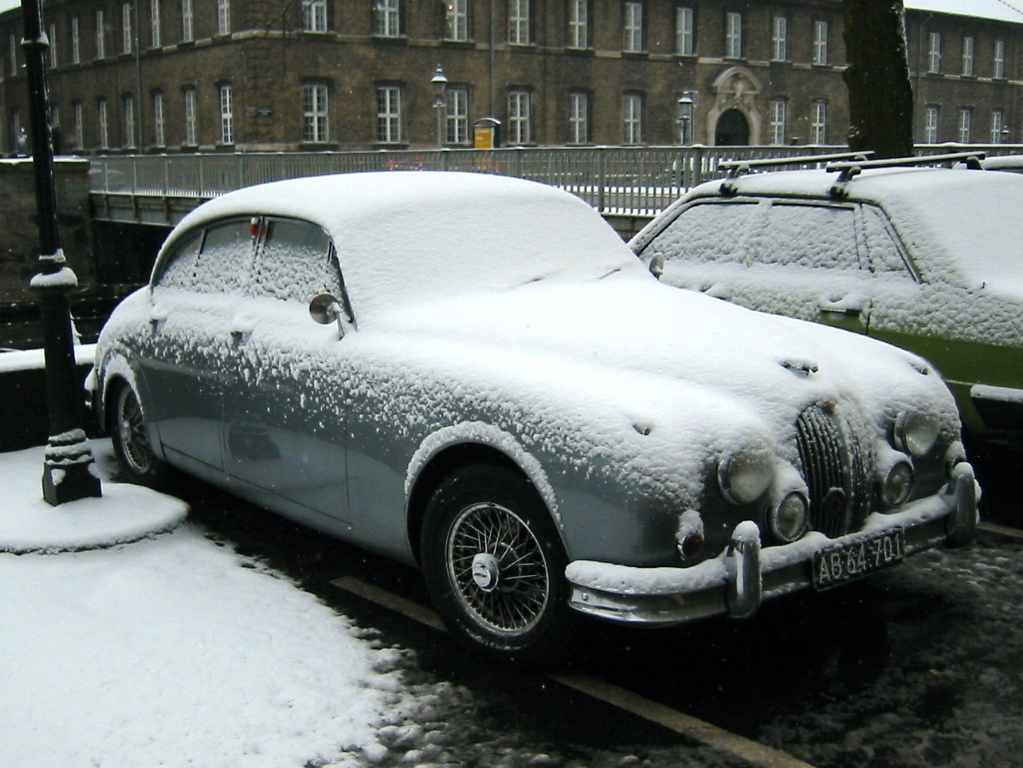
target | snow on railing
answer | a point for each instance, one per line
(636, 181)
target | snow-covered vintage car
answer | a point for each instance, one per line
(499, 392)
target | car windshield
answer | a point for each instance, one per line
(969, 216)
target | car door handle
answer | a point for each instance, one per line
(852, 305)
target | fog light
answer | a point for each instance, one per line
(897, 485)
(915, 433)
(788, 520)
(690, 545)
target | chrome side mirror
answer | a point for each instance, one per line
(326, 309)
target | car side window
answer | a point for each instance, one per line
(886, 255)
(706, 232)
(815, 236)
(214, 260)
(180, 266)
(295, 262)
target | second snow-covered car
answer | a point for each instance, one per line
(499, 392)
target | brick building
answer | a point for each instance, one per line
(237, 75)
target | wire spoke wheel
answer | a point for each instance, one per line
(497, 569)
(494, 565)
(131, 439)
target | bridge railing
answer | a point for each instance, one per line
(615, 180)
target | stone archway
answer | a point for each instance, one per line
(732, 129)
(733, 118)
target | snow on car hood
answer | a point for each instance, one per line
(628, 321)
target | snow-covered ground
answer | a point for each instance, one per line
(172, 650)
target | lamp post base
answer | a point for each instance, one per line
(69, 469)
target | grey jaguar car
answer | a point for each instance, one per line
(475, 375)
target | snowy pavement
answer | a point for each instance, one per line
(171, 650)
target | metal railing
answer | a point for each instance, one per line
(637, 181)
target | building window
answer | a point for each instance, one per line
(154, 23)
(51, 49)
(934, 52)
(101, 37)
(457, 115)
(578, 117)
(315, 113)
(187, 26)
(965, 122)
(78, 125)
(520, 117)
(389, 114)
(314, 15)
(633, 26)
(777, 121)
(76, 41)
(127, 34)
(820, 42)
(159, 123)
(226, 115)
(12, 54)
(997, 125)
(578, 24)
(223, 17)
(968, 55)
(779, 38)
(128, 102)
(733, 35)
(387, 18)
(104, 125)
(819, 123)
(191, 139)
(518, 22)
(999, 60)
(931, 125)
(685, 40)
(633, 119)
(456, 20)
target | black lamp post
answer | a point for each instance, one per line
(439, 81)
(68, 467)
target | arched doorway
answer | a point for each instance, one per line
(732, 129)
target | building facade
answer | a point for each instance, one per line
(250, 75)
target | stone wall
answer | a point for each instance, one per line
(19, 230)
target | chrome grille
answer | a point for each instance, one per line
(836, 472)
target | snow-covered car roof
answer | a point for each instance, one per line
(399, 233)
(964, 220)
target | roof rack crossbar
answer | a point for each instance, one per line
(847, 169)
(738, 167)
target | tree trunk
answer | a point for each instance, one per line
(880, 94)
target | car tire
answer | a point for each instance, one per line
(494, 566)
(130, 436)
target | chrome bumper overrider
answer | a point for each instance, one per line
(737, 581)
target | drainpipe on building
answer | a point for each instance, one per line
(68, 467)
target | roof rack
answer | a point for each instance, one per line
(847, 169)
(736, 168)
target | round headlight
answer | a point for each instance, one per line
(745, 476)
(788, 520)
(915, 433)
(897, 484)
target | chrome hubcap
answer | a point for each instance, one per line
(131, 427)
(497, 569)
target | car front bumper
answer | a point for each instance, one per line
(736, 582)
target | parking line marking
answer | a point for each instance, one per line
(752, 752)
(1005, 530)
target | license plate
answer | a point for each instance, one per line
(840, 564)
